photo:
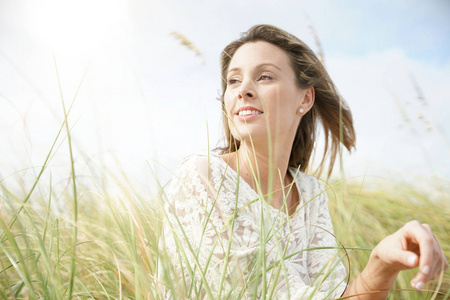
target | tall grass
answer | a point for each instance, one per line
(101, 240)
(117, 252)
(376, 208)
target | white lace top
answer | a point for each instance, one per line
(224, 242)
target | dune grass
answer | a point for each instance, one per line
(116, 254)
(98, 238)
(364, 213)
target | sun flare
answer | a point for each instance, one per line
(78, 27)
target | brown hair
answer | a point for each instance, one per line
(329, 107)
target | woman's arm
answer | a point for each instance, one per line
(414, 245)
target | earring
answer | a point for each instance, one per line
(301, 110)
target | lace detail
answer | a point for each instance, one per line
(224, 242)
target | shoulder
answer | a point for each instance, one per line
(188, 178)
(313, 196)
(196, 165)
(314, 200)
(309, 186)
(193, 160)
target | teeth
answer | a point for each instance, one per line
(249, 112)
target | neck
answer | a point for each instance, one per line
(264, 168)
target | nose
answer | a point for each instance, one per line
(246, 90)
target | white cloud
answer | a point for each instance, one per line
(381, 92)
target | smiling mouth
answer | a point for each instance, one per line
(244, 113)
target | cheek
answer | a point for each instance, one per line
(283, 115)
(228, 103)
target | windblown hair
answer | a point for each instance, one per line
(329, 108)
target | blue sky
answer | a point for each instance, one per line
(419, 28)
(146, 97)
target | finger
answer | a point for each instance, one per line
(443, 267)
(427, 228)
(445, 263)
(431, 260)
(406, 259)
(418, 235)
(421, 236)
(440, 261)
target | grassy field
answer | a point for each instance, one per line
(365, 213)
(116, 235)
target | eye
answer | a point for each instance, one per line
(265, 77)
(232, 81)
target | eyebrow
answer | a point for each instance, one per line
(258, 67)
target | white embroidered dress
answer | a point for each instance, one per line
(224, 242)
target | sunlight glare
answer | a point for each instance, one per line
(74, 27)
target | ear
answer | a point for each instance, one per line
(306, 101)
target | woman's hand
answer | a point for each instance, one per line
(412, 245)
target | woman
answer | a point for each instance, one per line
(249, 222)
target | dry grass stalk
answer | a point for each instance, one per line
(186, 42)
(319, 50)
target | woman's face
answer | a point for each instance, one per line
(262, 96)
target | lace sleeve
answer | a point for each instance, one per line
(324, 265)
